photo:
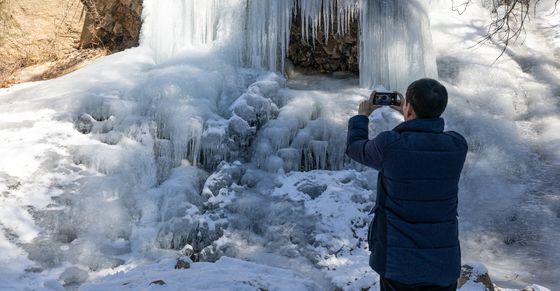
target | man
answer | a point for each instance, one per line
(414, 234)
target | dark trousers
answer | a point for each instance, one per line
(391, 285)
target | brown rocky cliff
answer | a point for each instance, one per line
(36, 31)
(117, 27)
(337, 53)
(43, 39)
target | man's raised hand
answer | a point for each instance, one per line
(367, 107)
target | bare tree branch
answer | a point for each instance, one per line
(509, 18)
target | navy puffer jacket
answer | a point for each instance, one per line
(414, 234)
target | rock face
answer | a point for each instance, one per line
(112, 24)
(338, 53)
(477, 274)
(43, 39)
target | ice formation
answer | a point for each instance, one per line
(395, 49)
(395, 40)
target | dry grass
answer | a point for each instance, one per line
(3, 5)
(5, 20)
(54, 37)
(52, 69)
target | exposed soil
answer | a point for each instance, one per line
(36, 31)
(45, 39)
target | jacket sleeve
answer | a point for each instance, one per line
(359, 147)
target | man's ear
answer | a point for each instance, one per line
(409, 112)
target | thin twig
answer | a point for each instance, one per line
(509, 25)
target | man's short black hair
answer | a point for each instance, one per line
(428, 98)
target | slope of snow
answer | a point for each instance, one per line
(509, 114)
(229, 273)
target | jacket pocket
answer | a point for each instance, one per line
(433, 235)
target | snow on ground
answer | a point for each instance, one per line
(96, 177)
(509, 113)
(232, 274)
(117, 168)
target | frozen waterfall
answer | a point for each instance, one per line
(395, 49)
(395, 40)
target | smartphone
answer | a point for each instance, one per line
(386, 99)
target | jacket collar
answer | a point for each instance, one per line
(422, 124)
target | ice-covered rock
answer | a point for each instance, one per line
(251, 177)
(273, 164)
(226, 174)
(87, 124)
(267, 87)
(180, 211)
(477, 274)
(310, 188)
(84, 124)
(254, 108)
(73, 275)
(241, 134)
(53, 285)
(183, 262)
(291, 159)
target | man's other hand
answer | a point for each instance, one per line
(399, 108)
(367, 107)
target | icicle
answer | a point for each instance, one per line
(214, 143)
(254, 32)
(171, 26)
(163, 153)
(262, 151)
(319, 152)
(395, 44)
(268, 33)
(278, 136)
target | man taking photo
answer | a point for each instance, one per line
(413, 237)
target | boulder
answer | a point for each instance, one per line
(476, 273)
(114, 24)
(311, 188)
(183, 263)
(73, 275)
